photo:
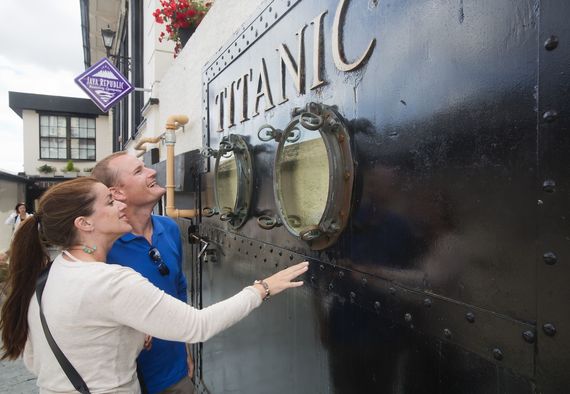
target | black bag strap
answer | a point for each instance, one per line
(71, 372)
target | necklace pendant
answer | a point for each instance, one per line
(89, 250)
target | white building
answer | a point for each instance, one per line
(172, 85)
(59, 129)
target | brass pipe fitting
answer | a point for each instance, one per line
(172, 123)
(143, 141)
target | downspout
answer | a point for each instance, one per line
(173, 122)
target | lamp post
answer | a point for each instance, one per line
(108, 38)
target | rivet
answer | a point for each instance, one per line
(470, 316)
(447, 333)
(408, 317)
(550, 258)
(331, 286)
(392, 290)
(549, 186)
(340, 274)
(377, 305)
(322, 267)
(352, 296)
(363, 282)
(550, 116)
(528, 336)
(551, 43)
(498, 354)
(549, 329)
(427, 302)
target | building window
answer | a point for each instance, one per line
(67, 137)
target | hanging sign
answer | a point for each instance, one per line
(104, 84)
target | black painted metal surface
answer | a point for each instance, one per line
(451, 275)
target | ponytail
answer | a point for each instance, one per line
(52, 224)
(28, 257)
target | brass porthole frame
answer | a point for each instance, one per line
(334, 132)
(238, 146)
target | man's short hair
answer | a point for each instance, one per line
(106, 174)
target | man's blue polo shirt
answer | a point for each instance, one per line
(165, 364)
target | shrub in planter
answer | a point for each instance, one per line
(46, 169)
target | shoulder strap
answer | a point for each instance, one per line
(71, 372)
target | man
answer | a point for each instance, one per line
(154, 250)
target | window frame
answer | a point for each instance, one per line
(68, 136)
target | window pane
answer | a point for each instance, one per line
(74, 153)
(90, 133)
(62, 153)
(91, 154)
(44, 131)
(52, 152)
(91, 123)
(82, 122)
(61, 143)
(83, 132)
(74, 122)
(61, 132)
(53, 120)
(74, 143)
(44, 121)
(45, 152)
(83, 154)
(53, 131)
(91, 144)
(61, 121)
(74, 131)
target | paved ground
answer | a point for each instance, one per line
(16, 379)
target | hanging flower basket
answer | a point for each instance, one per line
(180, 19)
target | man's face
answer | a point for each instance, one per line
(136, 184)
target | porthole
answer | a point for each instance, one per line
(313, 174)
(233, 180)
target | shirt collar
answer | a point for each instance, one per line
(157, 229)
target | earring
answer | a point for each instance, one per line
(89, 250)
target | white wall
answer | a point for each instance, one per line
(177, 83)
(10, 194)
(31, 129)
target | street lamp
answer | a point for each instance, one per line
(108, 38)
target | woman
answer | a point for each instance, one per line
(18, 216)
(97, 312)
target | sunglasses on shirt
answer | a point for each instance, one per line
(154, 255)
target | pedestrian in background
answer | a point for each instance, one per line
(18, 216)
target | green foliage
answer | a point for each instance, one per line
(70, 167)
(46, 169)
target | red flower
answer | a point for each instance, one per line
(179, 14)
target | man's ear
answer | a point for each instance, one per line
(83, 224)
(117, 193)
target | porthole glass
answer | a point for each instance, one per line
(302, 172)
(313, 174)
(233, 180)
(227, 182)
